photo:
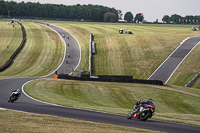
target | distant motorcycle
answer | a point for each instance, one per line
(145, 111)
(14, 96)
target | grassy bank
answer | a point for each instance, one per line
(175, 104)
(11, 38)
(137, 55)
(188, 69)
(19, 122)
(41, 55)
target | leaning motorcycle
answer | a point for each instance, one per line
(14, 96)
(145, 111)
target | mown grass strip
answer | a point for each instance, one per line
(41, 55)
(118, 98)
(29, 122)
(137, 55)
(11, 38)
(188, 69)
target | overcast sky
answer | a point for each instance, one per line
(152, 9)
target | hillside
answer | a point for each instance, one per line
(42, 53)
(138, 54)
(11, 38)
(173, 103)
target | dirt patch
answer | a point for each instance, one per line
(171, 89)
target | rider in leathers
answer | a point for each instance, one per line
(137, 105)
(15, 91)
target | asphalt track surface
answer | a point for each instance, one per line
(27, 104)
(169, 66)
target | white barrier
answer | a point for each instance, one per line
(195, 78)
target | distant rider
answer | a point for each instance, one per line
(18, 91)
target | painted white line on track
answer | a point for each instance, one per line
(181, 62)
(165, 60)
(61, 105)
(64, 52)
(170, 56)
(54, 71)
(66, 48)
(3, 109)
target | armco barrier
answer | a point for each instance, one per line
(9, 62)
(92, 51)
(109, 78)
(194, 79)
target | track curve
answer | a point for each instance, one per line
(29, 105)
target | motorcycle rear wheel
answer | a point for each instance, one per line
(146, 116)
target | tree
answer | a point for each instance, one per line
(128, 17)
(189, 19)
(139, 18)
(165, 19)
(29, 9)
(119, 14)
(175, 18)
(109, 17)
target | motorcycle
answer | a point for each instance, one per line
(14, 96)
(145, 111)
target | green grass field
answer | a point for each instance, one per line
(41, 55)
(137, 55)
(11, 38)
(176, 104)
(32, 123)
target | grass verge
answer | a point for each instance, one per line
(41, 55)
(137, 55)
(29, 122)
(119, 98)
(11, 38)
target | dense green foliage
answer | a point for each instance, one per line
(128, 17)
(29, 9)
(139, 18)
(110, 17)
(177, 19)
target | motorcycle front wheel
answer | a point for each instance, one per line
(129, 116)
(13, 98)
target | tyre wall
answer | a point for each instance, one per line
(109, 78)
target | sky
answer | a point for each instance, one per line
(152, 9)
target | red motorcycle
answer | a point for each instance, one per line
(145, 111)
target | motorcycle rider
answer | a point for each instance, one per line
(138, 103)
(18, 91)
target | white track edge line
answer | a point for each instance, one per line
(181, 62)
(168, 58)
(61, 105)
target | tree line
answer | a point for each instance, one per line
(139, 17)
(177, 19)
(29, 9)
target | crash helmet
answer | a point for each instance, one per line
(150, 101)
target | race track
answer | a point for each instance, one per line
(169, 66)
(27, 104)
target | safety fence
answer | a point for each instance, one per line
(92, 51)
(9, 62)
(109, 78)
(194, 79)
